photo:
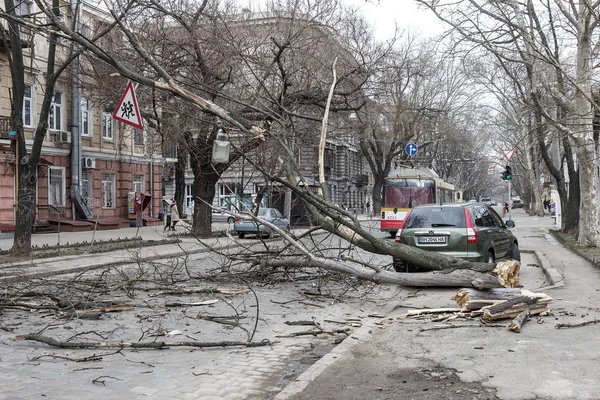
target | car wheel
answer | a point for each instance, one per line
(516, 253)
(230, 220)
(489, 259)
(241, 235)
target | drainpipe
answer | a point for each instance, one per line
(75, 118)
(151, 153)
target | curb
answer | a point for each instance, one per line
(554, 278)
(362, 334)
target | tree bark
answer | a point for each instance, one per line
(469, 278)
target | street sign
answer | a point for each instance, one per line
(508, 153)
(127, 110)
(411, 149)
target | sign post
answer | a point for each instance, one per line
(508, 154)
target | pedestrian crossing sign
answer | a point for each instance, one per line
(127, 110)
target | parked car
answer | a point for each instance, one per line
(517, 203)
(222, 215)
(247, 225)
(471, 231)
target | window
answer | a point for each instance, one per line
(138, 137)
(23, 8)
(108, 191)
(86, 188)
(56, 186)
(86, 118)
(28, 106)
(55, 119)
(138, 183)
(107, 125)
(189, 197)
(482, 216)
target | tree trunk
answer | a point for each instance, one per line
(180, 167)
(377, 200)
(204, 194)
(25, 209)
(460, 278)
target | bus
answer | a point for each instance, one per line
(405, 188)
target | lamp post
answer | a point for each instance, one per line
(221, 148)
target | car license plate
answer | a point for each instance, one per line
(432, 239)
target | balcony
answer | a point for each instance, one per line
(26, 39)
(361, 179)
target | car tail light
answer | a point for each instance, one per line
(399, 231)
(471, 232)
(237, 219)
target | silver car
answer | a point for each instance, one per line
(222, 215)
(247, 225)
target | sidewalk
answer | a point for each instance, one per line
(412, 359)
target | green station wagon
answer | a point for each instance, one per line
(471, 231)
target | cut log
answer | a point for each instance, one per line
(473, 299)
(516, 324)
(512, 308)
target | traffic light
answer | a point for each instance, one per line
(507, 173)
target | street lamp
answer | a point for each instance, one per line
(221, 148)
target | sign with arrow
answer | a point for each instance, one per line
(411, 149)
(508, 153)
(127, 110)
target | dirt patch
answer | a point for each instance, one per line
(590, 253)
(380, 379)
(84, 247)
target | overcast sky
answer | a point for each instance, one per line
(404, 12)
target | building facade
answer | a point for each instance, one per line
(83, 145)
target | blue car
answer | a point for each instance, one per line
(247, 225)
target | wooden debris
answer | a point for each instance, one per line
(204, 291)
(516, 324)
(577, 325)
(135, 345)
(507, 273)
(473, 299)
(412, 313)
(198, 303)
(305, 323)
(315, 332)
(512, 308)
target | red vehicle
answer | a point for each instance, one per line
(406, 188)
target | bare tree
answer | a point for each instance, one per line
(38, 37)
(539, 41)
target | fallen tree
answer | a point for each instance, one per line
(503, 274)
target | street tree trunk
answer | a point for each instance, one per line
(26, 163)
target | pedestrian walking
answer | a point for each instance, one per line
(174, 214)
(362, 208)
(504, 209)
(368, 208)
(168, 220)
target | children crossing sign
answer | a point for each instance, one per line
(127, 110)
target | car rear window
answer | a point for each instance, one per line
(436, 217)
